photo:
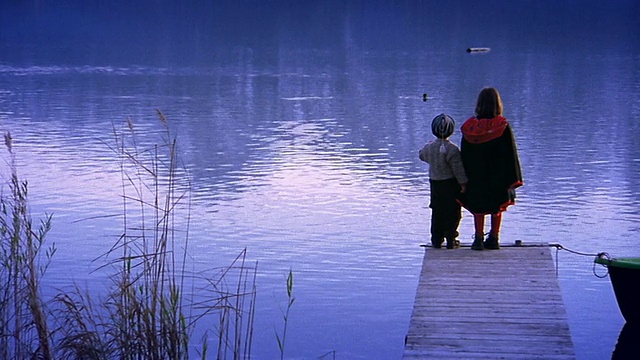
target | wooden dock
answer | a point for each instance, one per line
(491, 304)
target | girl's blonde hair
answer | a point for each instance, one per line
(489, 104)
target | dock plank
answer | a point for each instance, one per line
(503, 304)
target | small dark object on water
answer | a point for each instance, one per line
(478, 49)
(424, 97)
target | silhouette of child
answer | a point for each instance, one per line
(447, 179)
(492, 164)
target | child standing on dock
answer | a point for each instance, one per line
(447, 179)
(491, 161)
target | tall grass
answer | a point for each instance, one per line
(23, 316)
(281, 338)
(154, 304)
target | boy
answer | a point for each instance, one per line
(446, 179)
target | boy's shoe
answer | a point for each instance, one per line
(492, 243)
(453, 244)
(436, 243)
(477, 243)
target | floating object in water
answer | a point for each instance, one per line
(625, 278)
(424, 97)
(478, 49)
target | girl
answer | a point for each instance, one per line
(491, 162)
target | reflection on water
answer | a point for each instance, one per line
(628, 345)
(308, 158)
(315, 169)
(306, 173)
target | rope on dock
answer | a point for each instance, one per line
(601, 254)
(558, 247)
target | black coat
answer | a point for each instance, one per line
(493, 169)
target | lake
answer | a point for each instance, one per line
(299, 127)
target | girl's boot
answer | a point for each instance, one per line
(477, 242)
(492, 242)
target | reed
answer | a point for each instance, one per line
(24, 330)
(281, 339)
(150, 314)
(154, 305)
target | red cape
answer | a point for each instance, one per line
(477, 131)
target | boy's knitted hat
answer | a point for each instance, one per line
(442, 126)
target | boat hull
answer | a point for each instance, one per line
(625, 280)
(626, 286)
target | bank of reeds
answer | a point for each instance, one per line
(24, 327)
(155, 304)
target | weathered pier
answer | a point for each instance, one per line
(491, 304)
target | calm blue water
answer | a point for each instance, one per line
(299, 127)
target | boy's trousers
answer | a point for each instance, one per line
(445, 210)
